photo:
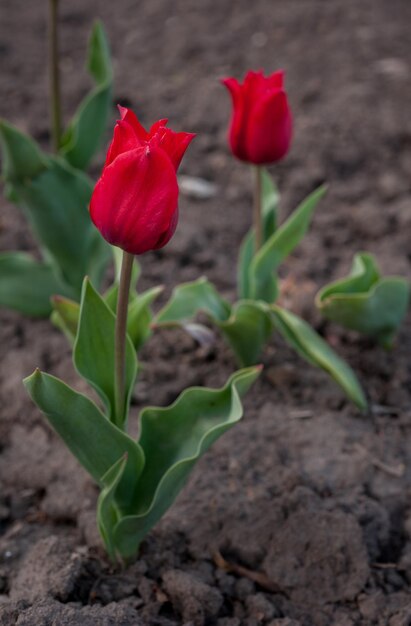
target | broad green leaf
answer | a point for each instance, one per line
(108, 514)
(87, 128)
(22, 158)
(364, 274)
(94, 352)
(365, 302)
(247, 330)
(89, 435)
(173, 439)
(270, 199)
(300, 336)
(56, 204)
(140, 317)
(264, 265)
(26, 285)
(65, 316)
(189, 299)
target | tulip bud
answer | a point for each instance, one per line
(261, 123)
(135, 202)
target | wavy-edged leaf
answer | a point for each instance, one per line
(26, 285)
(90, 436)
(264, 265)
(247, 330)
(86, 130)
(189, 299)
(314, 349)
(94, 351)
(366, 303)
(269, 205)
(173, 439)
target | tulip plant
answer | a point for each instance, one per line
(260, 133)
(134, 206)
(54, 192)
(365, 301)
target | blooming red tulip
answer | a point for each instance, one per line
(135, 202)
(261, 124)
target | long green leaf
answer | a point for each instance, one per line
(94, 351)
(27, 285)
(90, 436)
(263, 268)
(316, 351)
(87, 128)
(173, 439)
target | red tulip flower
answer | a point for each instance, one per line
(135, 202)
(261, 124)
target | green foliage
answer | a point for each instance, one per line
(308, 344)
(263, 281)
(139, 479)
(94, 355)
(249, 323)
(270, 199)
(86, 131)
(27, 284)
(365, 301)
(54, 197)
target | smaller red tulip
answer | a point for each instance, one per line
(135, 202)
(261, 124)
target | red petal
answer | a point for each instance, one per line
(128, 134)
(134, 203)
(269, 130)
(174, 144)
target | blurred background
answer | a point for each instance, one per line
(348, 75)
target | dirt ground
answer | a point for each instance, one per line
(305, 491)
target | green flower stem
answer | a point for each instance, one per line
(121, 334)
(54, 74)
(257, 213)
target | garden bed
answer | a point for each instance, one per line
(306, 501)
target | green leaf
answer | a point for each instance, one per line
(173, 439)
(26, 285)
(108, 514)
(94, 352)
(270, 199)
(366, 303)
(140, 316)
(89, 435)
(189, 299)
(56, 204)
(247, 330)
(22, 158)
(264, 265)
(300, 336)
(65, 316)
(86, 130)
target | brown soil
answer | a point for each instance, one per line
(305, 491)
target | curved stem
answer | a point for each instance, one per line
(54, 76)
(121, 335)
(257, 212)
